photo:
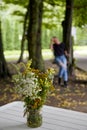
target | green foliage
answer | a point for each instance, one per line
(16, 41)
(13, 17)
(17, 2)
(53, 15)
(7, 32)
(18, 13)
(47, 34)
(80, 12)
(11, 32)
(81, 38)
(55, 2)
(12, 9)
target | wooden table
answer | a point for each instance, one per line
(11, 118)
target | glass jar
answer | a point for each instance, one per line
(34, 118)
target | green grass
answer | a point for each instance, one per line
(14, 55)
(80, 47)
(46, 53)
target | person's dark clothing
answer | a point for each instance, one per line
(58, 49)
(59, 53)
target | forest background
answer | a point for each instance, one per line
(12, 18)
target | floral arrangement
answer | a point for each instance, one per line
(33, 85)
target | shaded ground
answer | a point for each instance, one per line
(73, 97)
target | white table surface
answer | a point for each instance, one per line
(11, 118)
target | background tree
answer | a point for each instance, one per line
(80, 20)
(4, 72)
(39, 59)
(24, 36)
(67, 26)
(34, 33)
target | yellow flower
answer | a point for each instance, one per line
(34, 85)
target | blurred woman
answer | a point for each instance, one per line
(60, 54)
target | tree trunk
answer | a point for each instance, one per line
(34, 33)
(67, 25)
(3, 65)
(39, 59)
(32, 30)
(24, 35)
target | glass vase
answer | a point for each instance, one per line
(34, 118)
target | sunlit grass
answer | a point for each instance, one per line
(46, 53)
(14, 55)
(80, 47)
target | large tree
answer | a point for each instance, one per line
(67, 26)
(34, 33)
(4, 72)
(39, 59)
(24, 35)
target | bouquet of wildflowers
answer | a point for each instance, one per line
(33, 85)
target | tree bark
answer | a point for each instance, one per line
(34, 33)
(67, 26)
(4, 72)
(39, 59)
(24, 36)
(67, 23)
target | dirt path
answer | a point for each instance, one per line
(73, 97)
